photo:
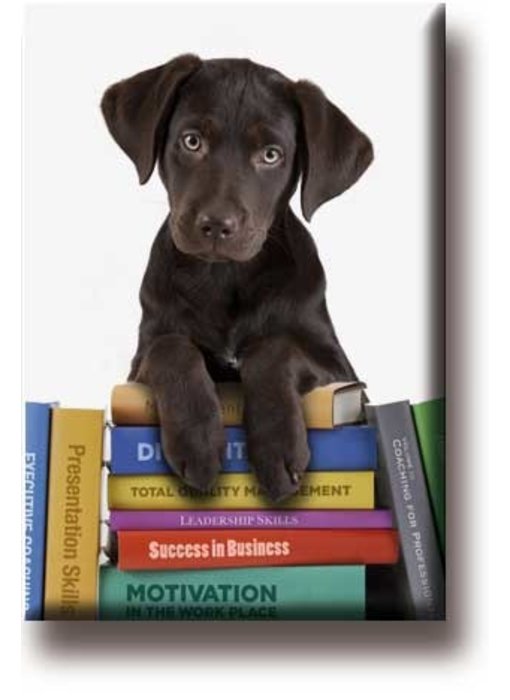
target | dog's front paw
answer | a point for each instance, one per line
(279, 453)
(195, 450)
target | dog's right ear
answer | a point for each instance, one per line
(336, 154)
(136, 110)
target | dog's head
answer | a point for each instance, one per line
(231, 139)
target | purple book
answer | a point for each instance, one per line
(224, 519)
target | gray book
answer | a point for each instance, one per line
(403, 487)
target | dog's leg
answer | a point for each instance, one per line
(192, 434)
(275, 372)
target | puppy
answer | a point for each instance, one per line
(234, 289)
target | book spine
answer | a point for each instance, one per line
(137, 450)
(202, 549)
(276, 593)
(429, 418)
(37, 435)
(133, 404)
(248, 519)
(73, 515)
(240, 491)
(403, 472)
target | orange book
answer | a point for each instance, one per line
(222, 549)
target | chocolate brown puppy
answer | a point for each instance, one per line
(234, 288)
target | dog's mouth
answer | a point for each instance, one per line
(213, 258)
(243, 248)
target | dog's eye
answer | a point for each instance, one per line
(272, 155)
(192, 142)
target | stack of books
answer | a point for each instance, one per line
(229, 554)
(326, 553)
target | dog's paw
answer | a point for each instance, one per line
(279, 455)
(195, 451)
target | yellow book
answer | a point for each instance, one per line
(72, 540)
(324, 407)
(240, 491)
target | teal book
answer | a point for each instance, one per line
(430, 421)
(268, 593)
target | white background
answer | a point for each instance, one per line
(464, 658)
(89, 226)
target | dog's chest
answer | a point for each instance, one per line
(216, 309)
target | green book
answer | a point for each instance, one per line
(269, 593)
(429, 418)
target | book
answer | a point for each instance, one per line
(202, 549)
(249, 519)
(72, 546)
(387, 593)
(137, 450)
(37, 436)
(324, 407)
(240, 491)
(402, 482)
(429, 419)
(269, 593)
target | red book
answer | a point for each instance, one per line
(221, 549)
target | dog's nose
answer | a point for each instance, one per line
(217, 227)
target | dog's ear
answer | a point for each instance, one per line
(136, 110)
(336, 152)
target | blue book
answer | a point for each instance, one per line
(137, 450)
(37, 441)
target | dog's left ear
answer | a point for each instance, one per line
(336, 154)
(136, 109)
